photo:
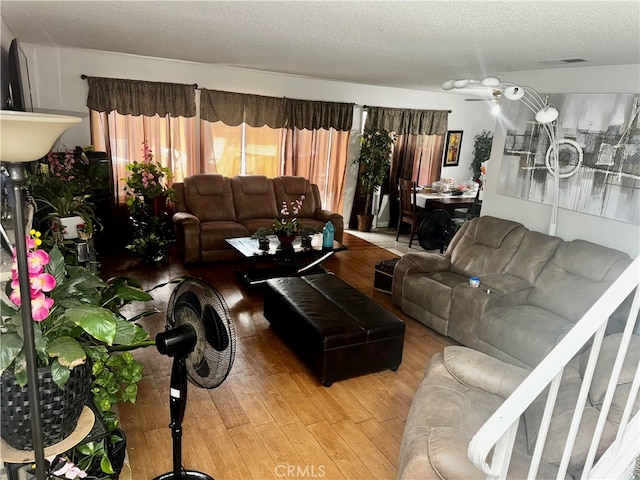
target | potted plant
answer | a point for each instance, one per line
(481, 153)
(262, 235)
(287, 225)
(376, 146)
(61, 191)
(147, 196)
(305, 233)
(79, 332)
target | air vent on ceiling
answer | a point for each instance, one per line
(563, 62)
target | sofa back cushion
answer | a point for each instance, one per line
(289, 189)
(534, 253)
(486, 246)
(254, 197)
(209, 197)
(578, 270)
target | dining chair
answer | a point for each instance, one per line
(409, 212)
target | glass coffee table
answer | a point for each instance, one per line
(281, 262)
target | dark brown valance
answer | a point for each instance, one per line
(234, 108)
(136, 97)
(408, 121)
(257, 110)
(313, 115)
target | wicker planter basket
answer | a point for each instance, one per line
(60, 408)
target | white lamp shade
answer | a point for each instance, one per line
(448, 85)
(513, 93)
(546, 115)
(460, 83)
(490, 82)
(26, 136)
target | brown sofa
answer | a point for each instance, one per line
(211, 208)
(534, 287)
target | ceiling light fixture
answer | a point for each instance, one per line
(545, 114)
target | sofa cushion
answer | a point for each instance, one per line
(290, 189)
(432, 291)
(213, 234)
(486, 246)
(253, 197)
(561, 418)
(525, 332)
(209, 197)
(579, 270)
(534, 253)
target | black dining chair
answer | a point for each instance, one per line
(410, 213)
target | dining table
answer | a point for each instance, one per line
(444, 201)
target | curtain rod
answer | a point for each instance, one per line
(84, 77)
(367, 106)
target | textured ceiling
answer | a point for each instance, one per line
(415, 45)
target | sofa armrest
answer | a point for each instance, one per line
(415, 262)
(503, 283)
(483, 372)
(187, 229)
(335, 218)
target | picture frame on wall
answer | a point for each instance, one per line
(452, 148)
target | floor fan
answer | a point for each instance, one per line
(434, 231)
(200, 337)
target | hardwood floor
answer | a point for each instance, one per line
(271, 419)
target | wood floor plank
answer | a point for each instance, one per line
(270, 410)
(340, 453)
(314, 457)
(254, 453)
(375, 461)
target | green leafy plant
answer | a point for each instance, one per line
(481, 152)
(376, 146)
(261, 233)
(146, 180)
(76, 318)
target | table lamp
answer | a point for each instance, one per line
(26, 137)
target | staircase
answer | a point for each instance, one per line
(491, 447)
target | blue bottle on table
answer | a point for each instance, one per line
(327, 235)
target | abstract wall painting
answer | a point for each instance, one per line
(599, 153)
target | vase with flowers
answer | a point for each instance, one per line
(148, 192)
(79, 336)
(286, 227)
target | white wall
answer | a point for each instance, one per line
(57, 85)
(571, 225)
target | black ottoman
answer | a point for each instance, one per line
(334, 329)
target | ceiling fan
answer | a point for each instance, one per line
(496, 94)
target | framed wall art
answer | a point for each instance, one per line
(452, 148)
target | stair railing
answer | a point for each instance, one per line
(499, 431)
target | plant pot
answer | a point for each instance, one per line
(364, 223)
(263, 243)
(159, 205)
(70, 226)
(117, 453)
(60, 407)
(286, 241)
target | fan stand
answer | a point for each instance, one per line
(177, 403)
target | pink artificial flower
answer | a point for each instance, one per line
(44, 282)
(36, 261)
(14, 296)
(40, 306)
(71, 471)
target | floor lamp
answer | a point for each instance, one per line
(545, 114)
(26, 137)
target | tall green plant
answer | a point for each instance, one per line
(481, 152)
(376, 146)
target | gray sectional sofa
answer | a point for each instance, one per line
(533, 289)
